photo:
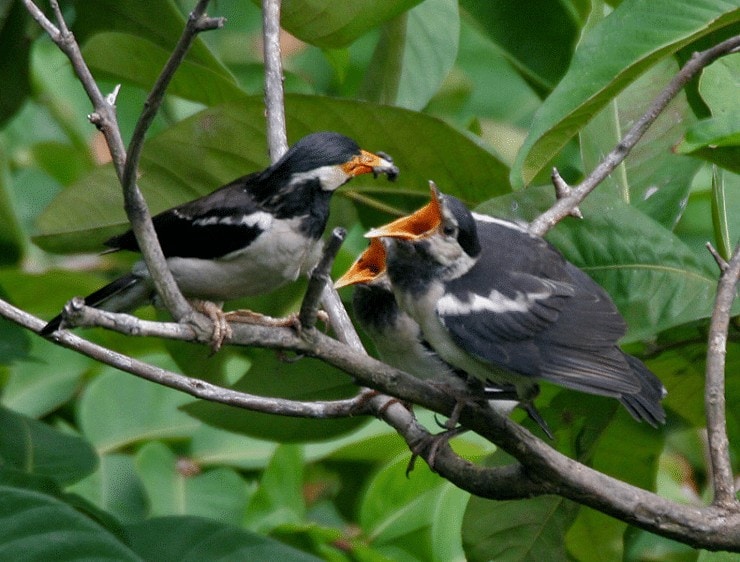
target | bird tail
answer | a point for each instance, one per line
(125, 293)
(645, 404)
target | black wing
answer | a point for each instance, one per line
(525, 309)
(221, 222)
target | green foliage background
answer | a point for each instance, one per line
(482, 97)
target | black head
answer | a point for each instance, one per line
(317, 150)
(458, 221)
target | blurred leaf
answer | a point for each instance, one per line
(14, 76)
(15, 342)
(330, 24)
(414, 54)
(11, 235)
(716, 139)
(719, 83)
(306, 380)
(34, 526)
(159, 22)
(725, 233)
(138, 61)
(652, 177)
(116, 488)
(279, 498)
(417, 517)
(654, 279)
(195, 539)
(45, 381)
(118, 409)
(63, 162)
(538, 37)
(212, 446)
(612, 55)
(37, 448)
(173, 490)
(213, 147)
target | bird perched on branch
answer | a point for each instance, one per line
(252, 235)
(504, 305)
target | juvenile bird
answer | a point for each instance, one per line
(504, 305)
(250, 236)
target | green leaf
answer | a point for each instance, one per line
(35, 526)
(37, 448)
(636, 35)
(212, 446)
(279, 498)
(11, 235)
(655, 280)
(14, 74)
(537, 37)
(138, 61)
(726, 211)
(719, 83)
(716, 139)
(213, 147)
(194, 539)
(306, 380)
(160, 23)
(116, 488)
(45, 381)
(414, 54)
(418, 517)
(652, 177)
(118, 409)
(15, 342)
(177, 487)
(330, 24)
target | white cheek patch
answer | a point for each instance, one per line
(330, 177)
(451, 305)
(507, 224)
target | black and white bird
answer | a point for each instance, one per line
(250, 236)
(504, 305)
(399, 340)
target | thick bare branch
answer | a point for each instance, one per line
(723, 481)
(277, 138)
(563, 207)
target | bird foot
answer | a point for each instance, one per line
(431, 445)
(221, 329)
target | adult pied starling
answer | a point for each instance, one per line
(504, 305)
(250, 236)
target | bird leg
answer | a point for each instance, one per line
(221, 329)
(245, 316)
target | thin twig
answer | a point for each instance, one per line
(564, 207)
(320, 277)
(723, 481)
(137, 210)
(277, 139)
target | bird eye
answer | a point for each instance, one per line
(449, 230)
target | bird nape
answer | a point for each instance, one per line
(504, 305)
(250, 236)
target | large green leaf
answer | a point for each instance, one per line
(655, 280)
(414, 54)
(173, 489)
(118, 409)
(611, 55)
(14, 74)
(331, 24)
(139, 61)
(306, 380)
(213, 147)
(417, 517)
(716, 139)
(652, 178)
(37, 448)
(538, 37)
(195, 539)
(34, 526)
(159, 22)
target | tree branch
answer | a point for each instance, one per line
(723, 481)
(565, 206)
(277, 138)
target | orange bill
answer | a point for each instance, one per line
(416, 225)
(367, 267)
(369, 163)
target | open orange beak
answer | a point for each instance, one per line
(416, 225)
(369, 163)
(367, 267)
